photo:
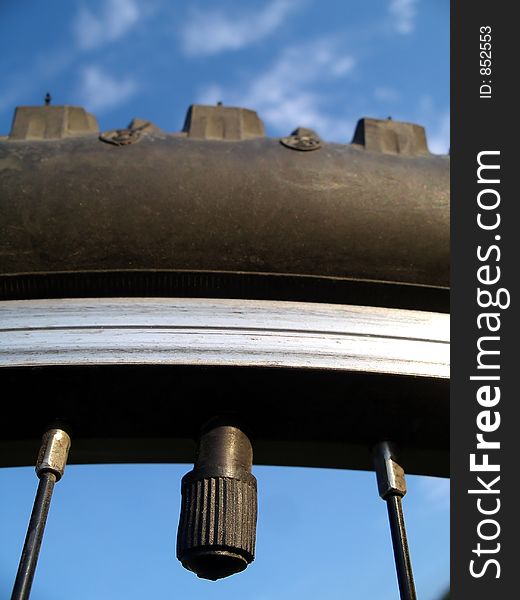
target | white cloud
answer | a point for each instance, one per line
(99, 90)
(386, 94)
(288, 93)
(342, 66)
(439, 138)
(436, 491)
(437, 123)
(212, 94)
(403, 13)
(116, 19)
(211, 32)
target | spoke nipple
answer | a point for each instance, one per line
(53, 453)
(390, 475)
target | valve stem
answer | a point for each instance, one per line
(217, 525)
(50, 466)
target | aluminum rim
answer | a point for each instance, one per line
(193, 331)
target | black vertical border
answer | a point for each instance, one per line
(477, 125)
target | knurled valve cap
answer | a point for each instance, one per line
(217, 525)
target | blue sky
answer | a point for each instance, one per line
(321, 534)
(321, 64)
